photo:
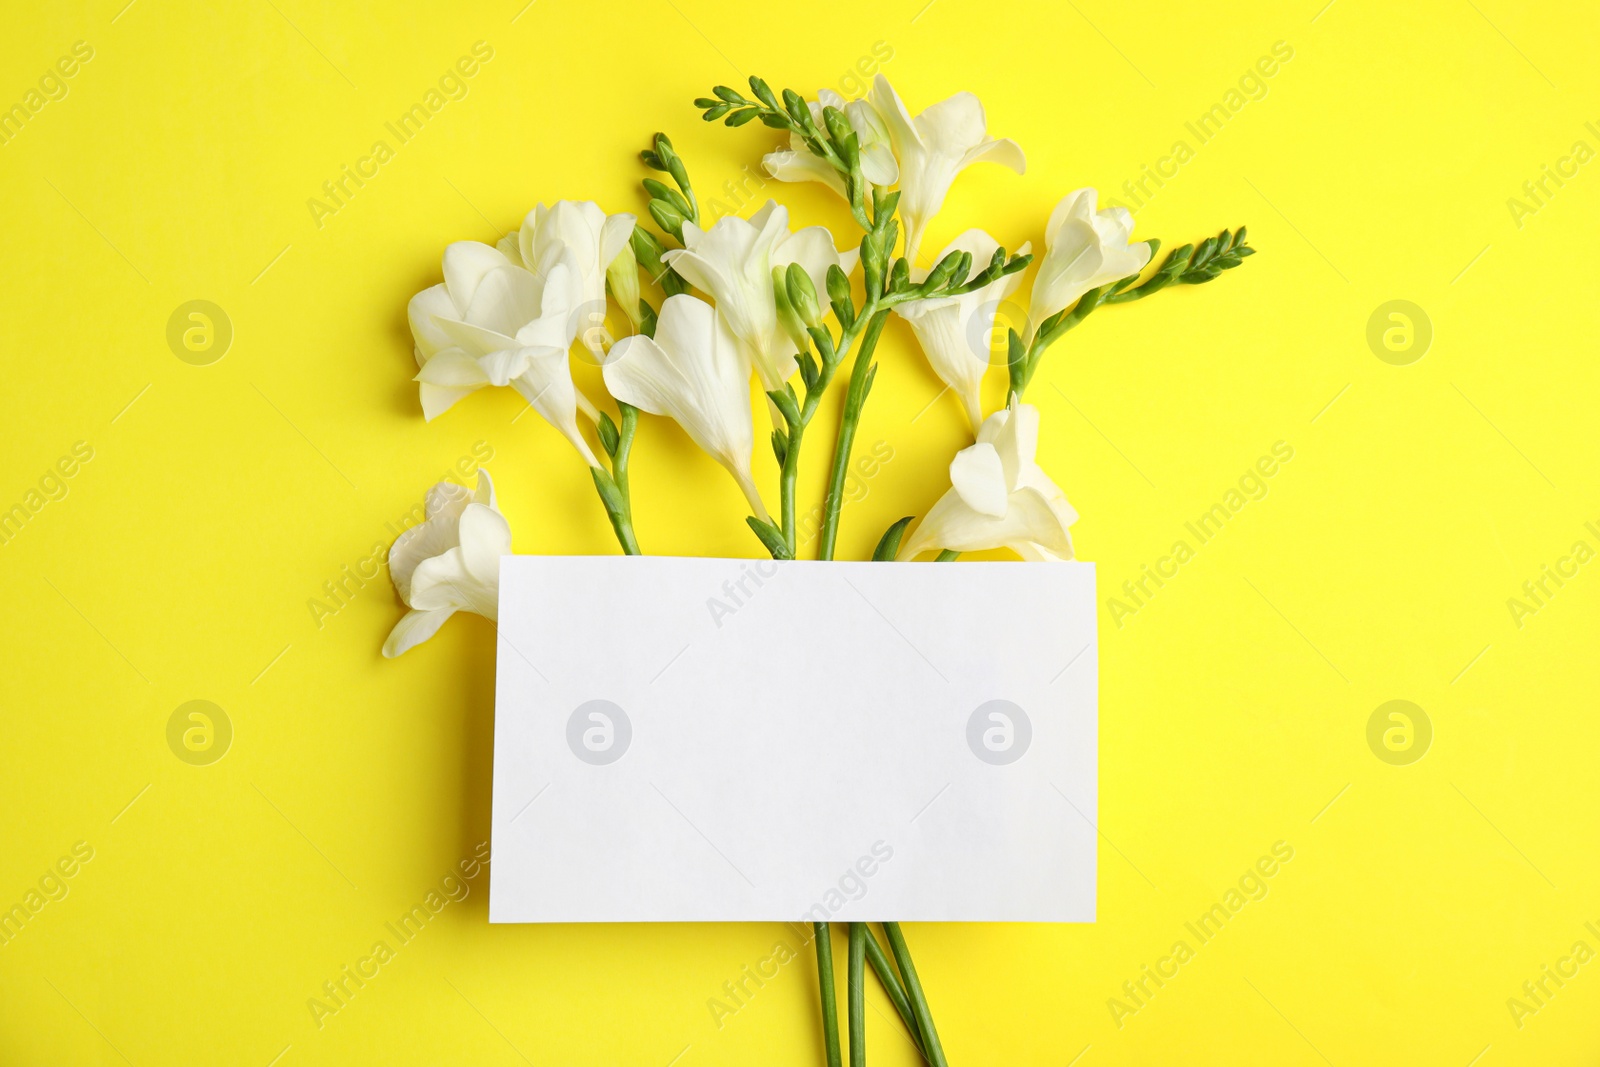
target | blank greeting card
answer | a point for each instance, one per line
(724, 740)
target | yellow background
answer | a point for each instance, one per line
(220, 498)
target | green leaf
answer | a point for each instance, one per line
(770, 536)
(739, 118)
(775, 119)
(824, 342)
(780, 446)
(808, 370)
(889, 543)
(730, 95)
(1016, 351)
(715, 113)
(608, 434)
(787, 403)
(610, 495)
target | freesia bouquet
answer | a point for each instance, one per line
(750, 297)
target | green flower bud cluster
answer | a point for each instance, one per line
(834, 141)
(670, 207)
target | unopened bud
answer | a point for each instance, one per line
(803, 295)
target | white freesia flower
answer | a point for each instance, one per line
(955, 331)
(592, 238)
(450, 562)
(1084, 249)
(493, 322)
(933, 148)
(733, 262)
(999, 497)
(696, 372)
(798, 164)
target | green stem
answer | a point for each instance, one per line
(947, 555)
(856, 988)
(830, 1007)
(932, 1050)
(786, 485)
(612, 485)
(855, 399)
(789, 475)
(1049, 333)
(891, 985)
(619, 474)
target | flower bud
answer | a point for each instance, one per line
(803, 295)
(667, 217)
(788, 318)
(622, 278)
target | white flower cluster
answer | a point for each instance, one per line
(751, 297)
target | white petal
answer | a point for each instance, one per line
(696, 372)
(465, 264)
(878, 166)
(952, 126)
(454, 368)
(415, 628)
(696, 269)
(442, 581)
(507, 298)
(764, 214)
(448, 499)
(978, 476)
(1005, 152)
(432, 301)
(434, 536)
(886, 102)
(614, 235)
(1028, 521)
(638, 372)
(950, 331)
(801, 166)
(1017, 442)
(508, 363)
(476, 340)
(484, 492)
(438, 399)
(485, 537)
(546, 384)
(1077, 204)
(511, 248)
